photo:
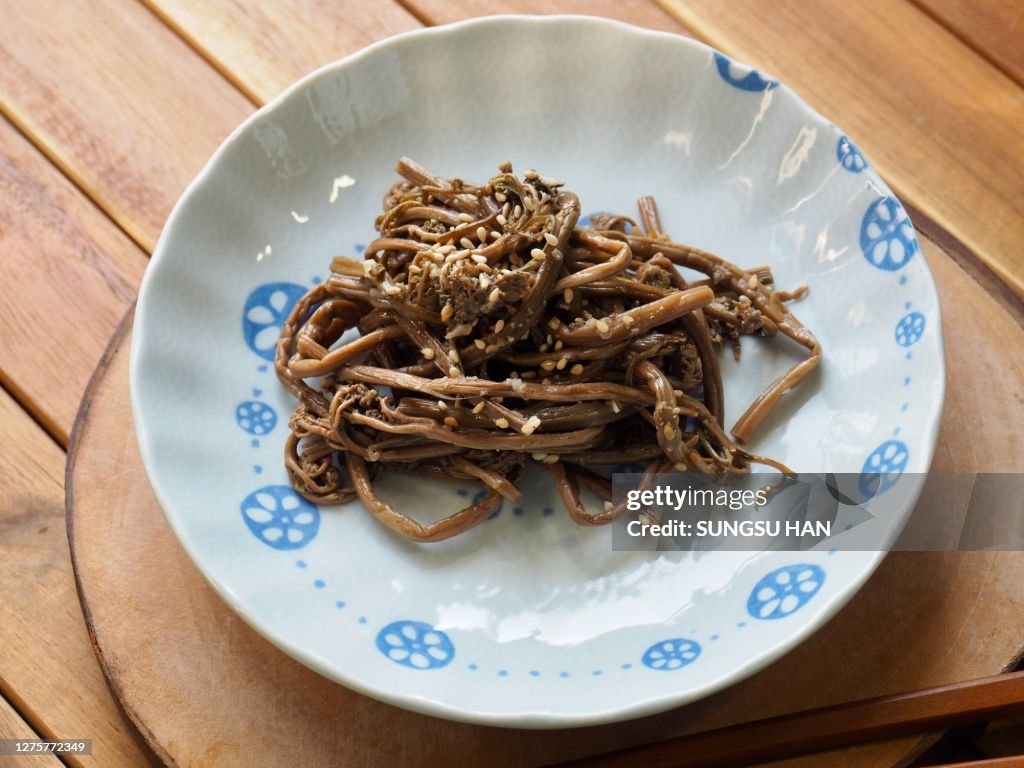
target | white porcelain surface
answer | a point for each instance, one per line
(529, 620)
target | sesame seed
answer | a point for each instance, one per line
(442, 405)
(491, 348)
(499, 325)
(530, 174)
(627, 320)
(561, 363)
(481, 234)
(669, 431)
(567, 295)
(543, 347)
(479, 407)
(677, 392)
(552, 240)
(495, 234)
(493, 298)
(466, 243)
(479, 344)
(754, 282)
(479, 258)
(464, 217)
(530, 426)
(538, 254)
(451, 421)
(538, 456)
(501, 423)
(428, 353)
(576, 370)
(453, 355)
(454, 372)
(551, 460)
(602, 326)
(558, 345)
(554, 323)
(501, 219)
(529, 203)
(615, 406)
(485, 280)
(548, 365)
(500, 197)
(517, 211)
(506, 209)
(446, 312)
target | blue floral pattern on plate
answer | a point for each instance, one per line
(415, 644)
(882, 468)
(851, 158)
(740, 77)
(785, 590)
(280, 518)
(667, 655)
(255, 417)
(887, 237)
(910, 329)
(265, 309)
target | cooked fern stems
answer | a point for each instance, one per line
(494, 330)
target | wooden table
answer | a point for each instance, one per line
(111, 106)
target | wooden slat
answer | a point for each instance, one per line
(13, 727)
(264, 47)
(943, 125)
(69, 275)
(47, 666)
(994, 28)
(644, 13)
(848, 724)
(117, 100)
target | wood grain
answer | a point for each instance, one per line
(965, 703)
(13, 727)
(47, 665)
(980, 432)
(184, 667)
(116, 100)
(993, 28)
(644, 13)
(264, 47)
(943, 125)
(69, 275)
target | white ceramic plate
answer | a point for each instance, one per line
(529, 620)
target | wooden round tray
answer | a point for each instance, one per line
(204, 689)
